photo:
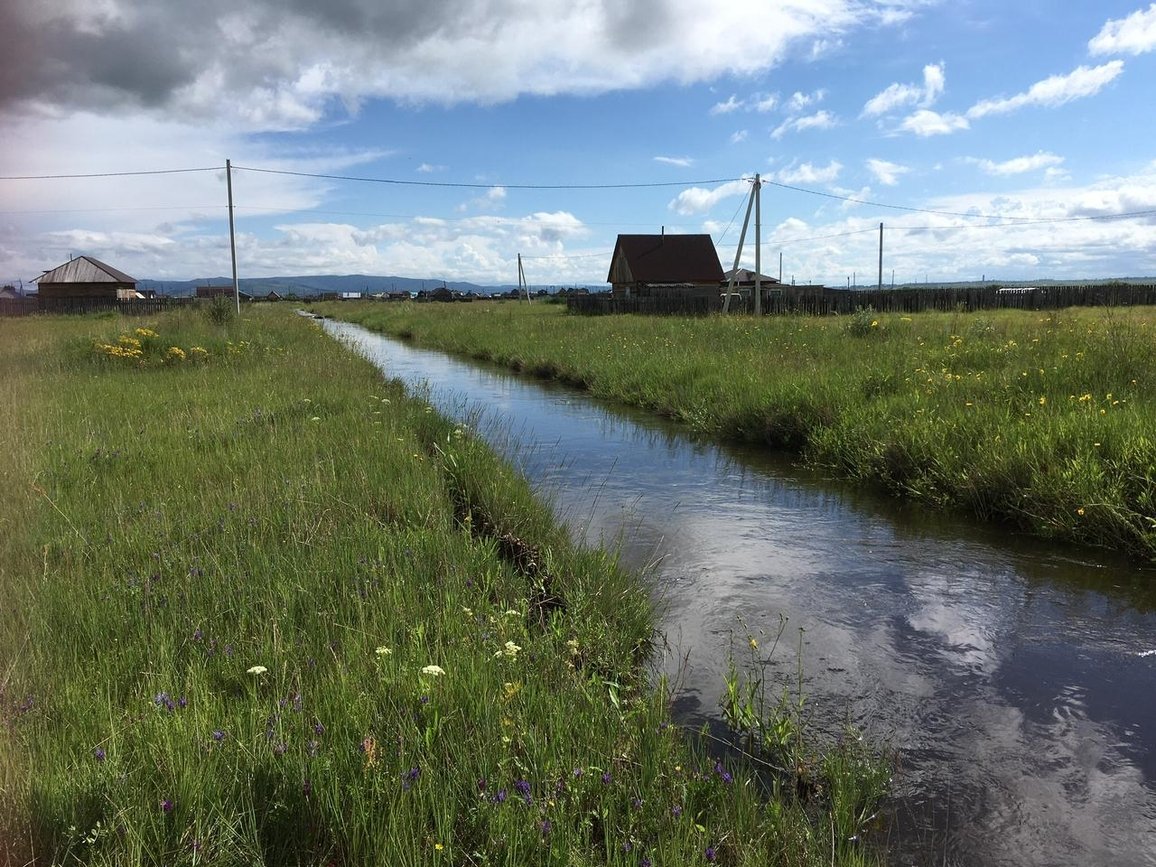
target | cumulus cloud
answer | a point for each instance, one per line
(819, 120)
(925, 123)
(698, 200)
(1055, 91)
(285, 65)
(886, 173)
(806, 173)
(1135, 34)
(731, 103)
(898, 95)
(1019, 165)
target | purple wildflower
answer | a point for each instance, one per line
(711, 854)
(318, 728)
(545, 826)
(99, 754)
(606, 777)
(198, 635)
(523, 788)
(645, 862)
(723, 773)
(218, 735)
(499, 797)
(627, 846)
(636, 803)
(676, 811)
(481, 784)
(166, 806)
(577, 773)
(182, 702)
(162, 699)
(410, 777)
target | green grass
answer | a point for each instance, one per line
(1041, 420)
(226, 575)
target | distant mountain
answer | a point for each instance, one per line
(316, 285)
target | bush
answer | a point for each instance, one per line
(220, 310)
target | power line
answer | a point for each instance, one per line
(464, 186)
(109, 174)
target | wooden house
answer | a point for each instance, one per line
(85, 278)
(665, 266)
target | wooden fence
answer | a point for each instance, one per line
(135, 307)
(820, 301)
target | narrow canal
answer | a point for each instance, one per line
(1016, 680)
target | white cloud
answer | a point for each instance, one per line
(428, 168)
(766, 103)
(926, 123)
(731, 104)
(901, 95)
(269, 65)
(682, 162)
(886, 173)
(1135, 34)
(738, 136)
(698, 200)
(806, 173)
(1054, 91)
(1019, 165)
(801, 101)
(820, 120)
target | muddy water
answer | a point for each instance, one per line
(1017, 679)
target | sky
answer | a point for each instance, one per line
(994, 140)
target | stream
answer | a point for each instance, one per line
(1016, 679)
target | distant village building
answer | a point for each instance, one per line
(9, 293)
(665, 266)
(210, 292)
(86, 278)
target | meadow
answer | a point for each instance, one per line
(1040, 420)
(265, 607)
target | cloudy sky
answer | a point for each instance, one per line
(993, 139)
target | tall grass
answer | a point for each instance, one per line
(265, 607)
(1041, 420)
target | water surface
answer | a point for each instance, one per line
(1016, 679)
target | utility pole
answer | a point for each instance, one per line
(758, 246)
(780, 267)
(880, 255)
(232, 235)
(523, 286)
(739, 252)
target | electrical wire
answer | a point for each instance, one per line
(464, 186)
(109, 174)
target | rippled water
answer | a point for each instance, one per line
(1016, 679)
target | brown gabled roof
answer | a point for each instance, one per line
(746, 275)
(667, 259)
(84, 269)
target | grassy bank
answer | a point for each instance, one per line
(264, 607)
(1042, 420)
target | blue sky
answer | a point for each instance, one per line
(1026, 118)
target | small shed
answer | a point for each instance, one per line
(85, 277)
(665, 266)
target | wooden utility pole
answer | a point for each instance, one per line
(880, 255)
(232, 235)
(523, 286)
(739, 252)
(758, 246)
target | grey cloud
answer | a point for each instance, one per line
(265, 63)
